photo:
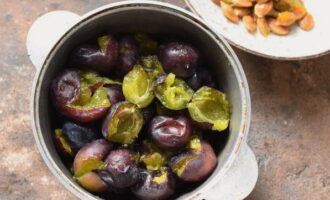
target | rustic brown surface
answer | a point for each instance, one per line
(289, 132)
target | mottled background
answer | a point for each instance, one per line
(289, 131)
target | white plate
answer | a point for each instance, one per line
(297, 45)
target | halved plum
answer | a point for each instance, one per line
(62, 144)
(138, 87)
(210, 106)
(80, 95)
(87, 161)
(153, 157)
(170, 133)
(101, 57)
(173, 92)
(122, 170)
(154, 185)
(196, 163)
(123, 123)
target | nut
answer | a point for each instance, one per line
(262, 9)
(228, 11)
(250, 23)
(279, 30)
(263, 26)
(307, 23)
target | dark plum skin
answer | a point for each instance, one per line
(65, 89)
(147, 189)
(115, 93)
(77, 135)
(115, 128)
(96, 150)
(83, 115)
(92, 56)
(202, 77)
(179, 58)
(128, 55)
(121, 170)
(170, 133)
(198, 168)
(202, 125)
(148, 113)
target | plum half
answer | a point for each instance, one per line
(209, 105)
(154, 185)
(80, 95)
(173, 92)
(122, 170)
(87, 161)
(138, 87)
(101, 57)
(170, 133)
(196, 163)
(123, 123)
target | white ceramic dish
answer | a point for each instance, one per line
(297, 45)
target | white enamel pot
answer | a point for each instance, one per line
(55, 34)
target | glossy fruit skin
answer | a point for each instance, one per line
(122, 170)
(123, 112)
(96, 150)
(202, 77)
(66, 87)
(65, 92)
(101, 57)
(200, 164)
(147, 189)
(170, 133)
(179, 58)
(77, 135)
(128, 55)
(115, 93)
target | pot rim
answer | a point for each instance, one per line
(230, 54)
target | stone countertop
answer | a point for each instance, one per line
(290, 130)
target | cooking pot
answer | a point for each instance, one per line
(54, 35)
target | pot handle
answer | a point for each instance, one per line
(45, 32)
(240, 179)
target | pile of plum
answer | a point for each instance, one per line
(134, 111)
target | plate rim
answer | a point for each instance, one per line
(294, 58)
